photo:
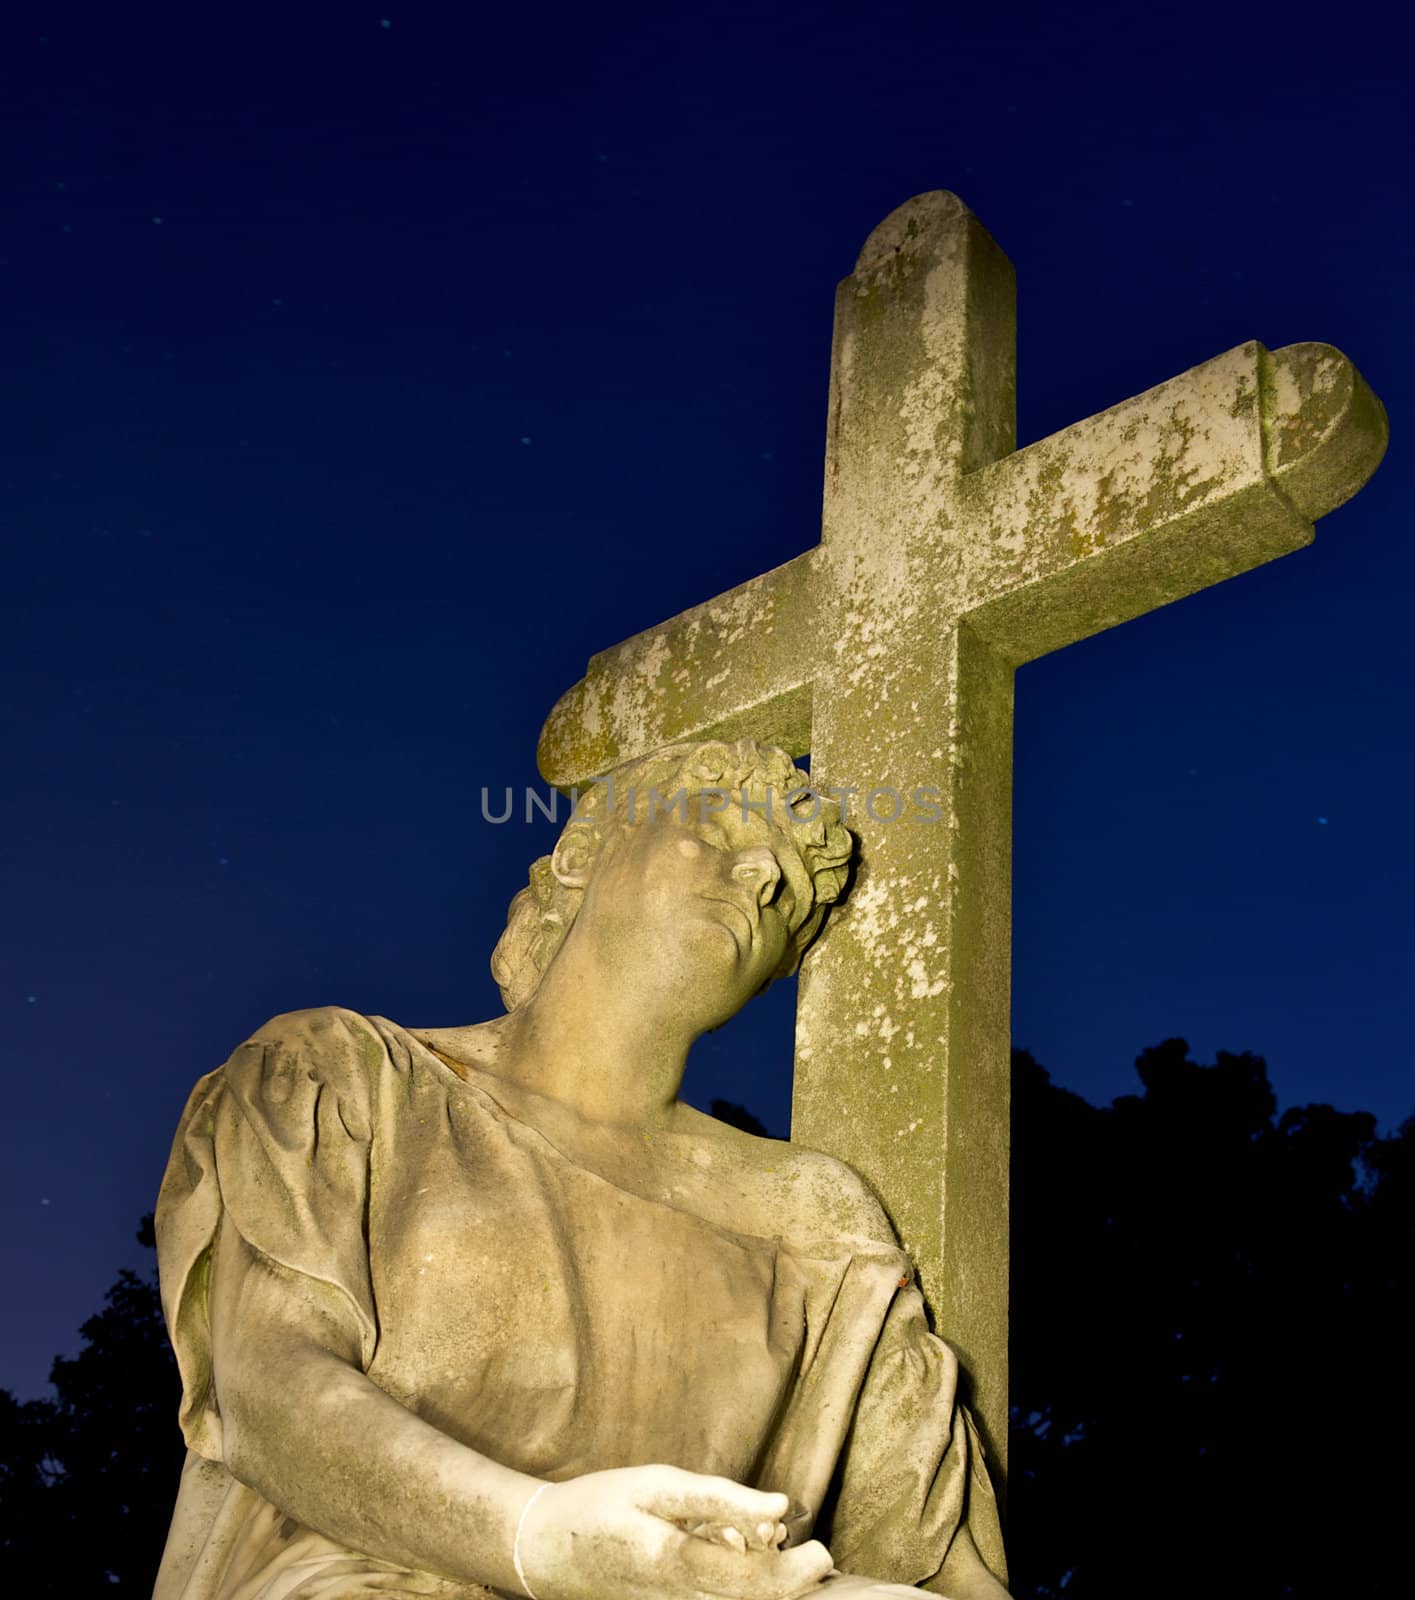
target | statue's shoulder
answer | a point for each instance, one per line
(316, 1023)
(832, 1197)
(324, 1044)
(813, 1194)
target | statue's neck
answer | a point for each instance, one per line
(612, 1056)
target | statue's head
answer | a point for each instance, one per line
(731, 821)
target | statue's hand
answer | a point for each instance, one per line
(623, 1533)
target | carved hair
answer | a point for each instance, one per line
(541, 913)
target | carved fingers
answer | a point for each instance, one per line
(660, 1533)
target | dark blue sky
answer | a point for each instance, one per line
(368, 369)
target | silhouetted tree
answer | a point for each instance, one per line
(27, 1473)
(92, 1475)
(1206, 1366)
(739, 1117)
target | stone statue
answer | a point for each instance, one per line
(490, 1308)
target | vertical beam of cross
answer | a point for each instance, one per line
(902, 1031)
(947, 559)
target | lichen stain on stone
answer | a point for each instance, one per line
(877, 286)
(1128, 471)
(1310, 389)
(886, 924)
(934, 405)
(651, 685)
(1245, 397)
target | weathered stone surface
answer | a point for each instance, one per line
(948, 558)
(686, 677)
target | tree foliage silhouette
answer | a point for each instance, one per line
(90, 1477)
(1210, 1371)
(1207, 1360)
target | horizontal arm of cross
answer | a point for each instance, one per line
(1217, 471)
(737, 666)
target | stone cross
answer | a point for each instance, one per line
(947, 559)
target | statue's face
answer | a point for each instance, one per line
(696, 908)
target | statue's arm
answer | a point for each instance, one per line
(306, 1429)
(913, 1497)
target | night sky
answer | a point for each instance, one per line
(367, 370)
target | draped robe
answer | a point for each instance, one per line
(550, 1317)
